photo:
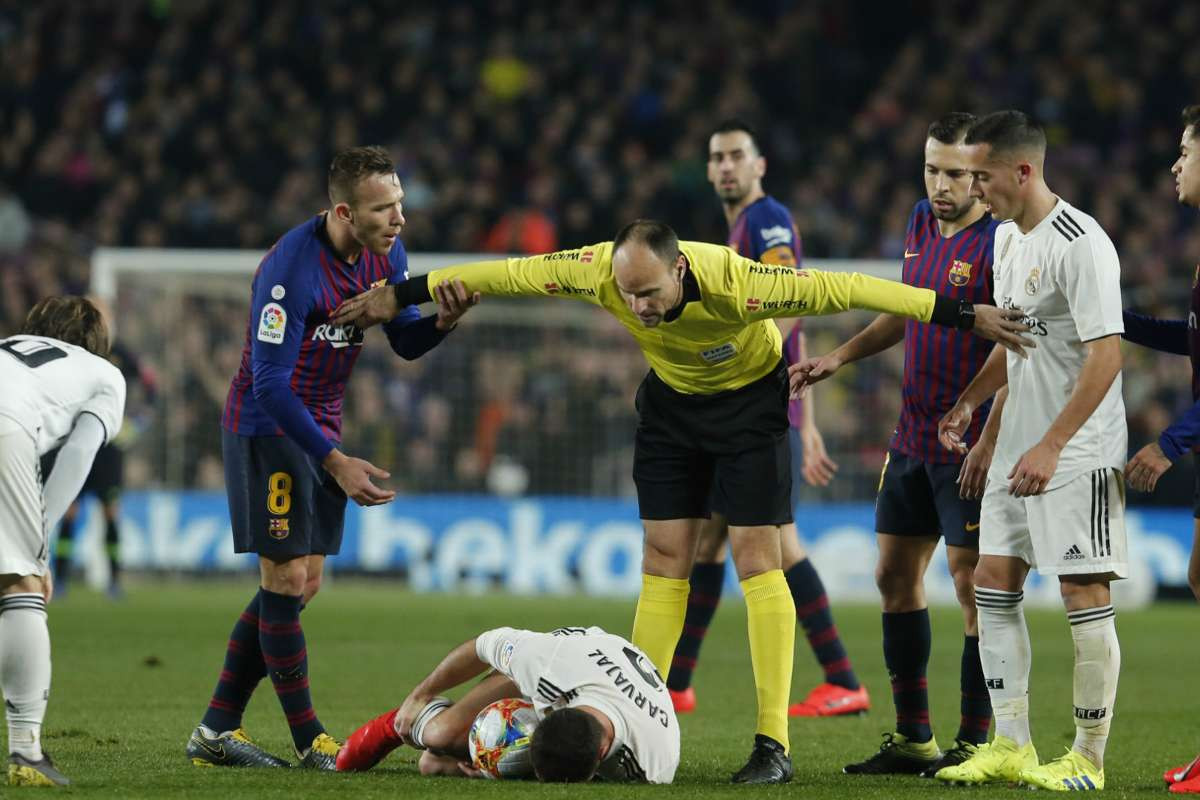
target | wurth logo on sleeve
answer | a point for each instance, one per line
(753, 304)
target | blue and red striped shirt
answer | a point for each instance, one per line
(939, 361)
(298, 284)
(766, 232)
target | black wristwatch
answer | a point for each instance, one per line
(953, 313)
(966, 315)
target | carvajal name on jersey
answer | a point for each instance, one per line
(626, 687)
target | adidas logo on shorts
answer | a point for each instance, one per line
(1073, 554)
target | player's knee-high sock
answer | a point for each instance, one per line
(24, 670)
(243, 670)
(906, 643)
(1097, 665)
(975, 708)
(284, 652)
(1006, 656)
(771, 619)
(661, 609)
(702, 601)
(112, 546)
(812, 609)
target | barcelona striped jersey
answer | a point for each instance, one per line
(299, 282)
(939, 361)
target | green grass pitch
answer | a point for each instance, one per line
(132, 678)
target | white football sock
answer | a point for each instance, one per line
(1097, 665)
(24, 670)
(1006, 657)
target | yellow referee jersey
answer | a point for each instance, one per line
(725, 339)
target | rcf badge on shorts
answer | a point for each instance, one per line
(278, 528)
(960, 273)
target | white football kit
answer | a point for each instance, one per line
(588, 667)
(1065, 275)
(54, 394)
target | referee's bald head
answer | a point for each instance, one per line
(648, 269)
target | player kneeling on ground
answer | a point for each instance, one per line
(604, 710)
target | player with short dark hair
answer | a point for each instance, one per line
(286, 477)
(59, 392)
(1183, 435)
(712, 412)
(1054, 498)
(603, 708)
(762, 229)
(926, 492)
(565, 747)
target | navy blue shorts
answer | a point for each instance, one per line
(917, 498)
(282, 504)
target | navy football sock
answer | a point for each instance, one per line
(906, 643)
(286, 657)
(976, 704)
(243, 670)
(705, 594)
(812, 609)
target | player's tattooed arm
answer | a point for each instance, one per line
(884, 331)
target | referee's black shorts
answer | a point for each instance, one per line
(733, 444)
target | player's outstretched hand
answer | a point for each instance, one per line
(1003, 326)
(972, 476)
(818, 468)
(1033, 471)
(804, 374)
(369, 308)
(354, 476)
(453, 301)
(1144, 469)
(953, 426)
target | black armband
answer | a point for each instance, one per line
(953, 313)
(412, 292)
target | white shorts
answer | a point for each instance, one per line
(24, 549)
(1076, 529)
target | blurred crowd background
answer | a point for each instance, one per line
(529, 126)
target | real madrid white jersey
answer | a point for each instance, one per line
(589, 667)
(1065, 275)
(48, 384)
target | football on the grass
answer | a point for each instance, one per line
(499, 739)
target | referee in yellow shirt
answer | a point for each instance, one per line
(712, 412)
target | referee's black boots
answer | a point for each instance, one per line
(768, 763)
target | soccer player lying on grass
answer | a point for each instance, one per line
(603, 709)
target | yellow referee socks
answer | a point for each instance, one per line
(771, 619)
(661, 607)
